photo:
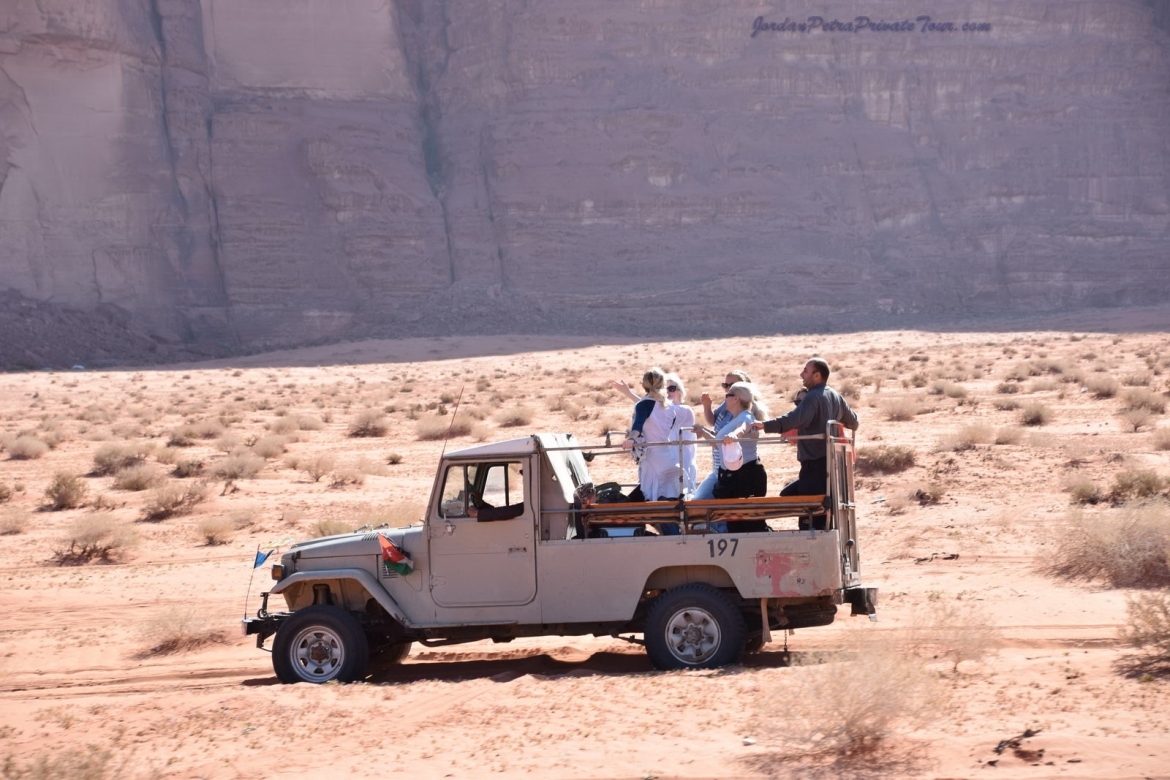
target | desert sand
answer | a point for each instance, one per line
(135, 666)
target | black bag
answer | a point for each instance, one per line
(611, 493)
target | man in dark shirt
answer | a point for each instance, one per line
(821, 404)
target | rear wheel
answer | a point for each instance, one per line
(694, 626)
(388, 655)
(318, 644)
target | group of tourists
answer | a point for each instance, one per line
(667, 473)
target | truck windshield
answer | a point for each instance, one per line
(495, 484)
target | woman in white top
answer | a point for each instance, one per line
(660, 475)
(676, 391)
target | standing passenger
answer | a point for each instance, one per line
(659, 472)
(716, 419)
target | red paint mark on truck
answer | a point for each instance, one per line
(783, 569)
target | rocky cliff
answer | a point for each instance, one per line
(234, 174)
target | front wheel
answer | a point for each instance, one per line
(318, 644)
(694, 626)
(388, 655)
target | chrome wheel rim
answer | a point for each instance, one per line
(692, 635)
(317, 654)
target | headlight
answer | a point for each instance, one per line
(278, 571)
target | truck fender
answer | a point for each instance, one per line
(362, 577)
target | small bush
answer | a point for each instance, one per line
(394, 458)
(26, 448)
(369, 424)
(268, 447)
(932, 493)
(1007, 388)
(179, 630)
(66, 491)
(94, 538)
(111, 458)
(13, 521)
(1102, 386)
(1135, 483)
(1144, 398)
(173, 500)
(1035, 414)
(242, 465)
(966, 438)
(435, 428)
(229, 442)
(1125, 548)
(1083, 491)
(884, 459)
(346, 476)
(331, 527)
(515, 417)
(215, 529)
(282, 426)
(1136, 380)
(136, 478)
(900, 409)
(188, 467)
(5, 493)
(1009, 435)
(1135, 419)
(308, 422)
(1147, 628)
(315, 466)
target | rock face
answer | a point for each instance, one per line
(234, 174)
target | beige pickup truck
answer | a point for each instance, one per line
(513, 545)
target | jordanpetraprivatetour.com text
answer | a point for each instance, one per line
(818, 24)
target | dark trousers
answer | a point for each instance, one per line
(812, 481)
(747, 481)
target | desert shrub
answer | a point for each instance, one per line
(26, 448)
(66, 491)
(1083, 490)
(329, 527)
(514, 417)
(282, 426)
(270, 446)
(1009, 435)
(1043, 385)
(1125, 548)
(1135, 419)
(346, 476)
(1135, 483)
(873, 694)
(307, 422)
(931, 493)
(315, 466)
(111, 458)
(480, 431)
(1136, 380)
(5, 492)
(394, 458)
(884, 459)
(136, 478)
(955, 630)
(967, 438)
(215, 529)
(1147, 628)
(229, 442)
(92, 763)
(369, 423)
(94, 537)
(1035, 414)
(900, 409)
(168, 455)
(184, 435)
(188, 467)
(179, 630)
(435, 428)
(1102, 386)
(243, 465)
(1162, 439)
(1007, 405)
(1144, 398)
(1007, 388)
(173, 500)
(13, 521)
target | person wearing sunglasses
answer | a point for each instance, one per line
(716, 419)
(659, 471)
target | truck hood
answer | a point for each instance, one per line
(357, 543)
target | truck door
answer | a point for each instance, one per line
(482, 546)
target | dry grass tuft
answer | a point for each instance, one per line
(1162, 439)
(1135, 419)
(901, 409)
(515, 417)
(1102, 386)
(243, 465)
(329, 527)
(1082, 490)
(1136, 483)
(884, 459)
(137, 478)
(1035, 414)
(966, 438)
(94, 538)
(1126, 548)
(368, 424)
(216, 529)
(13, 521)
(173, 500)
(66, 491)
(435, 428)
(848, 707)
(111, 458)
(315, 466)
(1009, 435)
(1144, 398)
(1147, 629)
(25, 448)
(270, 446)
(179, 630)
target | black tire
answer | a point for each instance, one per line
(755, 644)
(320, 644)
(694, 626)
(388, 655)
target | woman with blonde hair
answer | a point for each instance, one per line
(659, 471)
(717, 418)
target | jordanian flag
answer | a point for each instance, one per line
(393, 558)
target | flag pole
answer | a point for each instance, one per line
(251, 577)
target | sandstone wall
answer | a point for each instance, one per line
(232, 174)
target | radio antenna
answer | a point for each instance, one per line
(452, 425)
